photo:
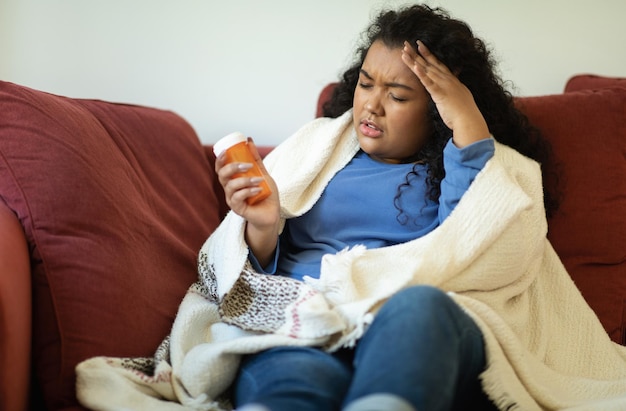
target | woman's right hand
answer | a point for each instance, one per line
(263, 217)
(455, 102)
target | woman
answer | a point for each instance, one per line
(400, 264)
(424, 102)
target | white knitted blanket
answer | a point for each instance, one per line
(546, 350)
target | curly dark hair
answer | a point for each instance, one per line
(454, 44)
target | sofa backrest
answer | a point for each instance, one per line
(587, 130)
(115, 201)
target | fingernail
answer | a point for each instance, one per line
(244, 166)
(255, 190)
(256, 180)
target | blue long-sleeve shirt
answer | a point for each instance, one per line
(360, 206)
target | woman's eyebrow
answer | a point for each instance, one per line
(389, 84)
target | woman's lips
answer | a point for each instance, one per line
(369, 129)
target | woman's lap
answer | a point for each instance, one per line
(421, 347)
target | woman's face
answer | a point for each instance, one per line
(390, 106)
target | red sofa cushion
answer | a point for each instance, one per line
(591, 81)
(324, 96)
(587, 129)
(115, 201)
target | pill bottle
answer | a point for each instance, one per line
(237, 150)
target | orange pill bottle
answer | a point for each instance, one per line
(237, 150)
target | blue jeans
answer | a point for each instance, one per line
(421, 347)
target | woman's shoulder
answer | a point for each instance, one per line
(513, 159)
(316, 138)
(523, 171)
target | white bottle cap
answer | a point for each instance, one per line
(228, 141)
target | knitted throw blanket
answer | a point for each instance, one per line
(546, 349)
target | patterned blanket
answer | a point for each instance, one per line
(546, 349)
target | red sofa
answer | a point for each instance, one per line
(104, 206)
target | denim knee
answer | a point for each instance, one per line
(421, 347)
(417, 297)
(292, 378)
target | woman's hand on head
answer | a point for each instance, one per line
(453, 99)
(263, 214)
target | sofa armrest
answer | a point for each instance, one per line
(15, 313)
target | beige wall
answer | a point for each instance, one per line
(257, 66)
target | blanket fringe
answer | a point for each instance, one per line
(350, 338)
(203, 403)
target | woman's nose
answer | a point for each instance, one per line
(373, 104)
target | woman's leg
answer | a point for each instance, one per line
(422, 349)
(292, 378)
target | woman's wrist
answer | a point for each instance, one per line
(262, 241)
(470, 131)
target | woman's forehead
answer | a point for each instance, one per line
(386, 62)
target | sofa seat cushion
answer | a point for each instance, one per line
(587, 129)
(115, 200)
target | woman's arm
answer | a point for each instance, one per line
(462, 165)
(453, 99)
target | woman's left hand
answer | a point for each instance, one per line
(453, 99)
